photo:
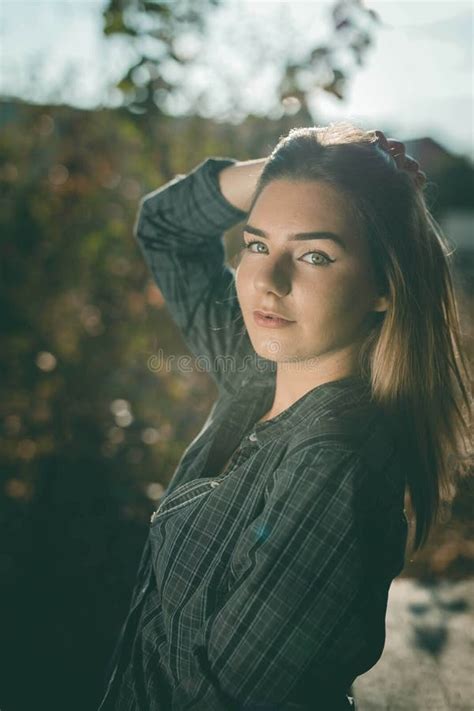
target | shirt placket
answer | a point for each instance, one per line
(195, 490)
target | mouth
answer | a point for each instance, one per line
(266, 321)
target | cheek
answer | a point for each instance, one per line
(240, 286)
(243, 279)
(343, 295)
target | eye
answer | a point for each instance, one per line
(324, 260)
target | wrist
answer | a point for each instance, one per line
(237, 182)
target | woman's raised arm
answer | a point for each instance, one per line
(180, 229)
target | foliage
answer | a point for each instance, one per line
(167, 37)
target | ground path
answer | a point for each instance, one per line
(428, 660)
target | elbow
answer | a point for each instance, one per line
(141, 219)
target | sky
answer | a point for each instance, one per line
(417, 79)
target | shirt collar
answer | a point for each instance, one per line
(257, 395)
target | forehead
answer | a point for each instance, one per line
(303, 205)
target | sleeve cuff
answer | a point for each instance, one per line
(224, 214)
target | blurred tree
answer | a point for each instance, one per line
(168, 37)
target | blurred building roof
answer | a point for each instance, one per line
(458, 224)
(430, 154)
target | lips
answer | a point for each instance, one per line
(265, 321)
(272, 314)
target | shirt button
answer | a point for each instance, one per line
(154, 515)
(253, 437)
(214, 484)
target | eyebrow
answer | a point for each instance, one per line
(299, 235)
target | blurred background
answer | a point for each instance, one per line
(101, 102)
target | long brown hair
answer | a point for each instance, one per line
(413, 354)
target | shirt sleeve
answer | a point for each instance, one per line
(298, 577)
(179, 228)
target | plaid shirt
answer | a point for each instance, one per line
(263, 587)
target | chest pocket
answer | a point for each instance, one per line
(195, 489)
(183, 495)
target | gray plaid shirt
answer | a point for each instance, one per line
(263, 587)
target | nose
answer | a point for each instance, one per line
(274, 276)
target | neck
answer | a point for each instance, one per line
(295, 379)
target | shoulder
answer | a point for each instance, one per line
(359, 427)
(355, 448)
(315, 465)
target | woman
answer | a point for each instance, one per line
(264, 579)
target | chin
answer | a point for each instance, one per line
(275, 349)
(272, 349)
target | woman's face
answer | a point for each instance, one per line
(324, 286)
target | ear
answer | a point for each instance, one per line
(381, 303)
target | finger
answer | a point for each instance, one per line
(404, 162)
(411, 164)
(395, 145)
(382, 139)
(413, 167)
(420, 178)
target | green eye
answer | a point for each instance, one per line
(324, 260)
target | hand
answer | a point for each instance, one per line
(404, 162)
(237, 182)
